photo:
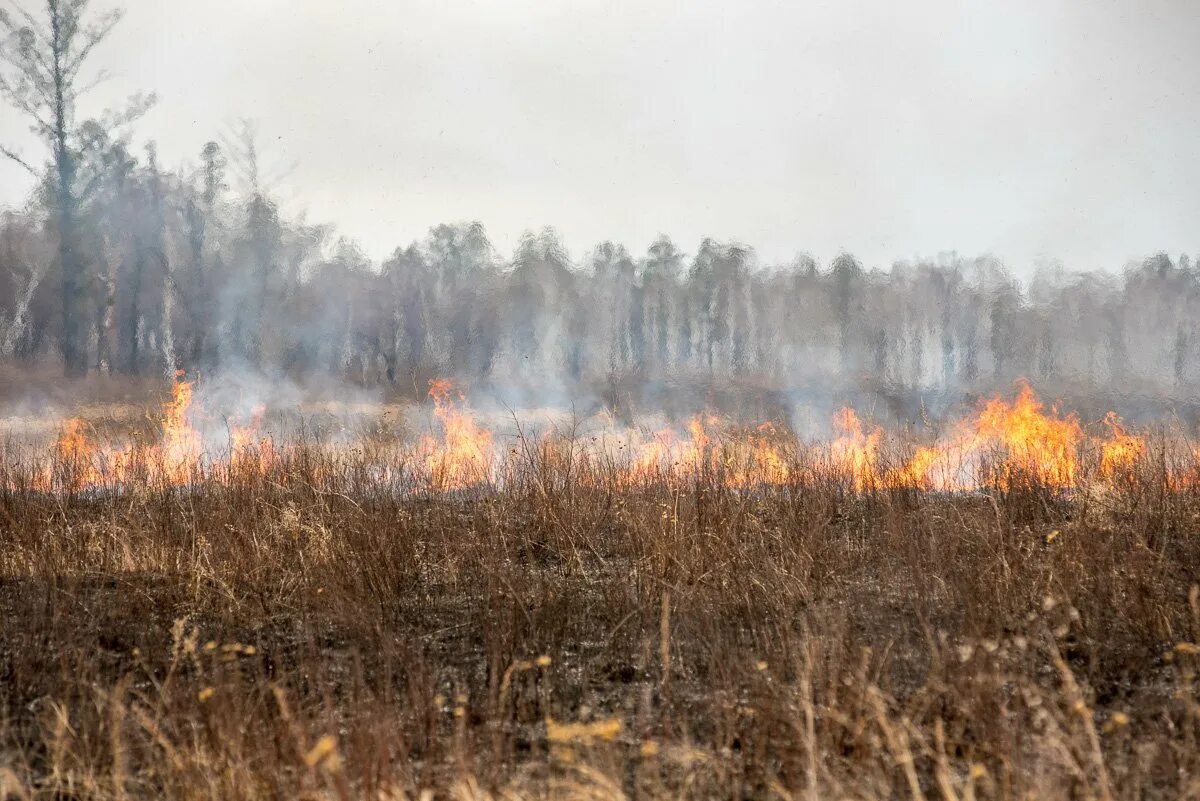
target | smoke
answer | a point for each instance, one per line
(185, 273)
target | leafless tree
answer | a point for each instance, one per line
(42, 61)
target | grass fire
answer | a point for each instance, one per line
(1006, 443)
(303, 602)
(816, 417)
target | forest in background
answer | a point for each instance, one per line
(116, 265)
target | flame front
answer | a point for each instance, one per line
(855, 452)
(464, 457)
(1035, 446)
(1003, 445)
(80, 461)
(1122, 451)
(181, 445)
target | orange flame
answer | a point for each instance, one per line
(85, 463)
(1003, 444)
(75, 456)
(1035, 446)
(1121, 451)
(464, 458)
(249, 449)
(855, 452)
(760, 461)
(181, 444)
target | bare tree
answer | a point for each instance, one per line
(27, 261)
(41, 67)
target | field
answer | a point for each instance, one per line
(716, 612)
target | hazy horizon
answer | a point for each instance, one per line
(1036, 131)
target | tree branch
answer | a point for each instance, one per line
(101, 77)
(92, 185)
(12, 155)
(32, 22)
(94, 35)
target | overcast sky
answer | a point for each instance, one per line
(1025, 128)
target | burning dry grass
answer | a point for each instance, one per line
(717, 612)
(1004, 444)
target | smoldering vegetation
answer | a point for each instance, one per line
(277, 629)
(303, 587)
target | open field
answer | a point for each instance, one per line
(316, 618)
(598, 401)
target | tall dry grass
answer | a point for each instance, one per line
(294, 626)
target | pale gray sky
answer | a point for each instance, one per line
(1025, 128)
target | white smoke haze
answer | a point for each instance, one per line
(188, 252)
(1026, 129)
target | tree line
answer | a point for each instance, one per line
(116, 265)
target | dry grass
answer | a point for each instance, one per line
(286, 630)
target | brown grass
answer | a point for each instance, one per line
(289, 630)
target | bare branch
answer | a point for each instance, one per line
(102, 76)
(31, 22)
(92, 185)
(30, 83)
(27, 36)
(22, 104)
(135, 108)
(93, 36)
(22, 162)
